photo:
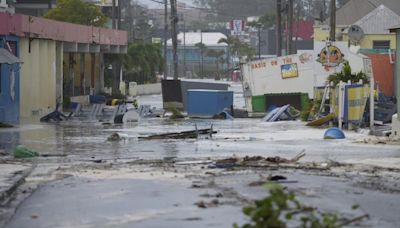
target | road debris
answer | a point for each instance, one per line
(255, 160)
(203, 204)
(23, 152)
(115, 137)
(181, 135)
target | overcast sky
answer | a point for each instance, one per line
(152, 4)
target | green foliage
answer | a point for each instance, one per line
(281, 207)
(238, 48)
(77, 12)
(346, 75)
(142, 62)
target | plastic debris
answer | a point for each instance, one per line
(334, 133)
(23, 152)
(285, 112)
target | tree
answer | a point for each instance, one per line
(142, 62)
(237, 48)
(202, 47)
(77, 12)
(218, 56)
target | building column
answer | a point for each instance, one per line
(397, 72)
(82, 72)
(92, 73)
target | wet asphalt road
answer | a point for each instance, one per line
(128, 201)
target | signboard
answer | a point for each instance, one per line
(237, 27)
(289, 71)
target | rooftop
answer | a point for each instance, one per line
(35, 27)
(354, 10)
(192, 38)
(378, 21)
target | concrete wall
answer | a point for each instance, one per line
(40, 70)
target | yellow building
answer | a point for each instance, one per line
(375, 24)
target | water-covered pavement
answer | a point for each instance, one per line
(86, 181)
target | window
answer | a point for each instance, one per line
(381, 44)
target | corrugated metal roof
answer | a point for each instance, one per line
(7, 57)
(192, 38)
(354, 10)
(378, 21)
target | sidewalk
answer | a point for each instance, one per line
(12, 175)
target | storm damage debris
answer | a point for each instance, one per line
(181, 135)
(255, 160)
(203, 204)
(23, 152)
(271, 178)
(116, 137)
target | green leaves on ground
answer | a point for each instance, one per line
(282, 207)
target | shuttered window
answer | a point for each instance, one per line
(381, 44)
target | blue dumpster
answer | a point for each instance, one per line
(207, 103)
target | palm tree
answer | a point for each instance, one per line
(218, 55)
(202, 47)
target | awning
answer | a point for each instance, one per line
(7, 57)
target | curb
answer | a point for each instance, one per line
(18, 180)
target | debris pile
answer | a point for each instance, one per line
(255, 161)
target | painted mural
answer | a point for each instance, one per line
(289, 71)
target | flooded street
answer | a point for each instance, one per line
(83, 180)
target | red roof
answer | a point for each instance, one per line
(28, 26)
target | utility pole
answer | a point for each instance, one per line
(174, 21)
(332, 35)
(165, 38)
(184, 46)
(290, 28)
(201, 53)
(278, 28)
(259, 41)
(113, 14)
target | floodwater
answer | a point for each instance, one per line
(149, 196)
(80, 141)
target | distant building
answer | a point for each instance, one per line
(37, 8)
(189, 55)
